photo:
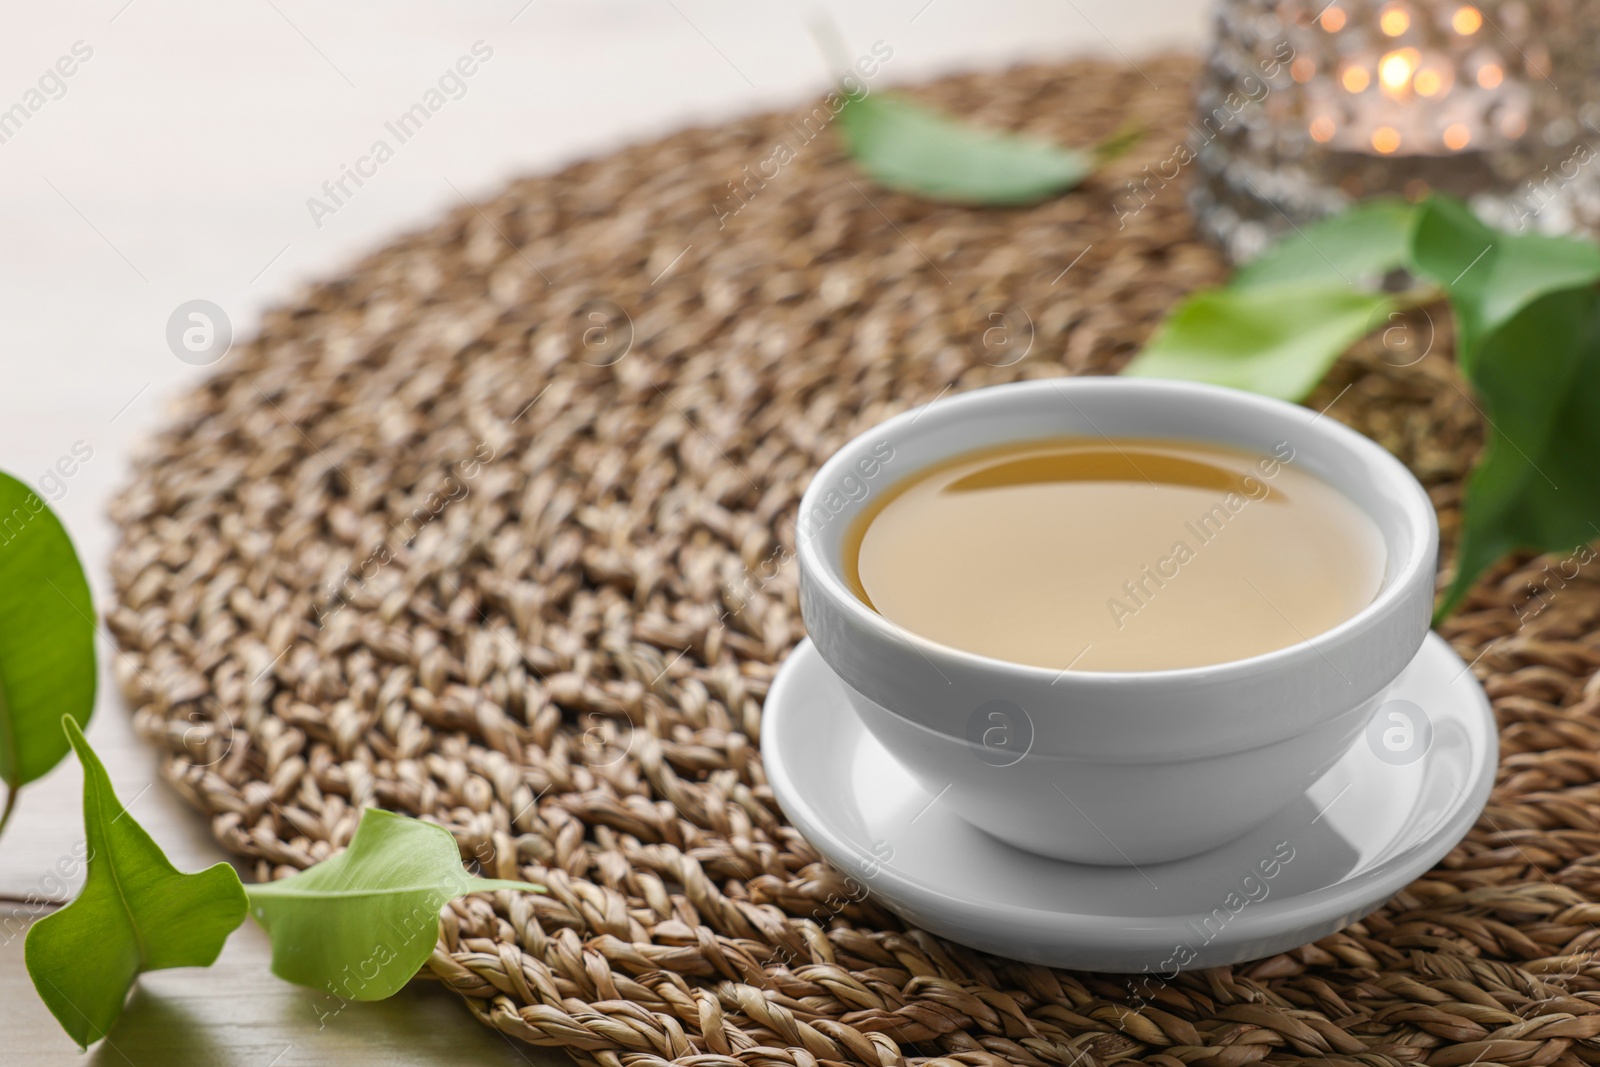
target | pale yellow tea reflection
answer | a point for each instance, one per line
(1125, 555)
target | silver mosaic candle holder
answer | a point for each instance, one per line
(1307, 105)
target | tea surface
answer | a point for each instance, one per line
(1116, 555)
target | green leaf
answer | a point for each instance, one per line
(1535, 485)
(136, 913)
(47, 665)
(1492, 276)
(361, 924)
(1356, 247)
(1279, 341)
(914, 149)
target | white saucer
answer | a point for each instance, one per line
(1357, 836)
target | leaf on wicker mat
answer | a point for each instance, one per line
(910, 148)
(1535, 485)
(361, 924)
(1492, 276)
(1283, 319)
(136, 913)
(1355, 248)
(1279, 341)
(47, 666)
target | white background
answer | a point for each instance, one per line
(178, 165)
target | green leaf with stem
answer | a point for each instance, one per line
(47, 660)
(136, 913)
(912, 148)
(1528, 339)
(1535, 486)
(1278, 341)
(1492, 276)
(360, 925)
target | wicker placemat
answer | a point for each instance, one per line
(428, 543)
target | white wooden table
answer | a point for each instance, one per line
(176, 162)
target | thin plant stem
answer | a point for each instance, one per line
(11, 805)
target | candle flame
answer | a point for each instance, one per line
(1428, 82)
(1467, 20)
(1457, 136)
(1322, 129)
(1394, 20)
(1386, 139)
(1395, 70)
(1355, 79)
(1490, 75)
(1333, 20)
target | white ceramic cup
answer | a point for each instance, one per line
(1116, 767)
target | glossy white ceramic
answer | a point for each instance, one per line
(1391, 806)
(1165, 763)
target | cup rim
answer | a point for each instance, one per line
(1414, 503)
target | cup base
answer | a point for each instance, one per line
(1109, 855)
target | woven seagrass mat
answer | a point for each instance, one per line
(428, 543)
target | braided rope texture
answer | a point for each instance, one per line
(497, 531)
